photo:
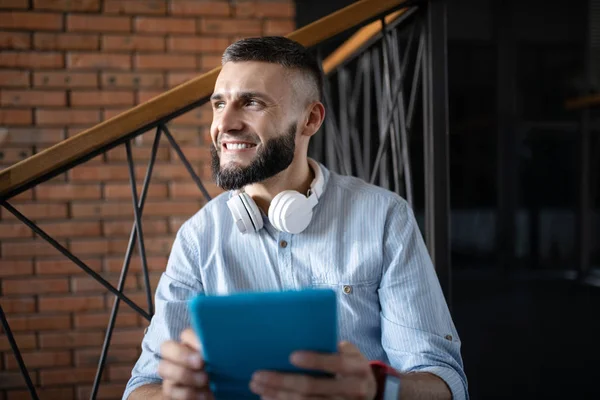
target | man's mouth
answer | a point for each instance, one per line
(238, 145)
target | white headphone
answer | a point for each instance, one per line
(290, 211)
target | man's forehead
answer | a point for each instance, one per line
(249, 76)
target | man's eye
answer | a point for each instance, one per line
(252, 103)
(219, 105)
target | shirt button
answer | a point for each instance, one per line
(347, 289)
(283, 244)
(448, 337)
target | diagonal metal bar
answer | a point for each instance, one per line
(185, 161)
(124, 270)
(387, 96)
(347, 120)
(416, 80)
(353, 129)
(379, 100)
(367, 115)
(17, 354)
(73, 258)
(138, 226)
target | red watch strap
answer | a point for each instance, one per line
(381, 370)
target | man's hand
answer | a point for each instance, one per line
(181, 368)
(353, 377)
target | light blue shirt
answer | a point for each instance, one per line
(363, 242)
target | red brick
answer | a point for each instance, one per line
(146, 95)
(15, 230)
(31, 21)
(70, 303)
(15, 117)
(139, 154)
(14, 4)
(197, 135)
(280, 27)
(123, 228)
(67, 192)
(125, 317)
(65, 41)
(72, 228)
(154, 263)
(65, 79)
(132, 42)
(12, 155)
(118, 373)
(33, 98)
(164, 25)
(98, 246)
(67, 5)
(88, 173)
(195, 117)
(33, 136)
(262, 8)
(98, 23)
(118, 191)
(101, 98)
(114, 355)
(64, 266)
(194, 153)
(171, 208)
(30, 248)
(132, 80)
(66, 117)
(15, 268)
(101, 210)
(195, 7)
(65, 393)
(154, 278)
(99, 61)
(164, 61)
(38, 211)
(71, 339)
(177, 78)
(33, 60)
(67, 375)
(194, 44)
(14, 305)
(14, 78)
(135, 7)
(209, 61)
(34, 322)
(25, 341)
(86, 284)
(230, 26)
(113, 112)
(106, 391)
(189, 190)
(35, 286)
(129, 337)
(15, 40)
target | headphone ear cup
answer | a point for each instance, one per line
(253, 211)
(291, 212)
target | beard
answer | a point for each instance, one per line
(275, 156)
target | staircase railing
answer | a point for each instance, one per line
(394, 65)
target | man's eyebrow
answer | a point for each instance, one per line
(243, 96)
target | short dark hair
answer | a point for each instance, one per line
(278, 50)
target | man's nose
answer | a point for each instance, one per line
(230, 120)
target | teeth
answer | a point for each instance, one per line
(237, 146)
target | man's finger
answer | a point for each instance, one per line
(341, 363)
(174, 392)
(178, 353)
(311, 386)
(181, 375)
(272, 393)
(189, 337)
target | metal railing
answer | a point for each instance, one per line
(404, 63)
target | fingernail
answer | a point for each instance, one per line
(297, 358)
(195, 360)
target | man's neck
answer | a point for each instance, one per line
(298, 176)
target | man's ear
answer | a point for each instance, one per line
(314, 119)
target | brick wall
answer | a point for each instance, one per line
(66, 65)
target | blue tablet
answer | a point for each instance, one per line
(245, 332)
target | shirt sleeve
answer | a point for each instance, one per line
(418, 333)
(178, 284)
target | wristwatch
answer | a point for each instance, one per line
(388, 381)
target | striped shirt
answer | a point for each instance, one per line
(363, 242)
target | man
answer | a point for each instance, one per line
(358, 239)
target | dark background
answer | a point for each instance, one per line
(529, 329)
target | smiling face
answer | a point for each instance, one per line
(254, 123)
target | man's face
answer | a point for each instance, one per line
(253, 130)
